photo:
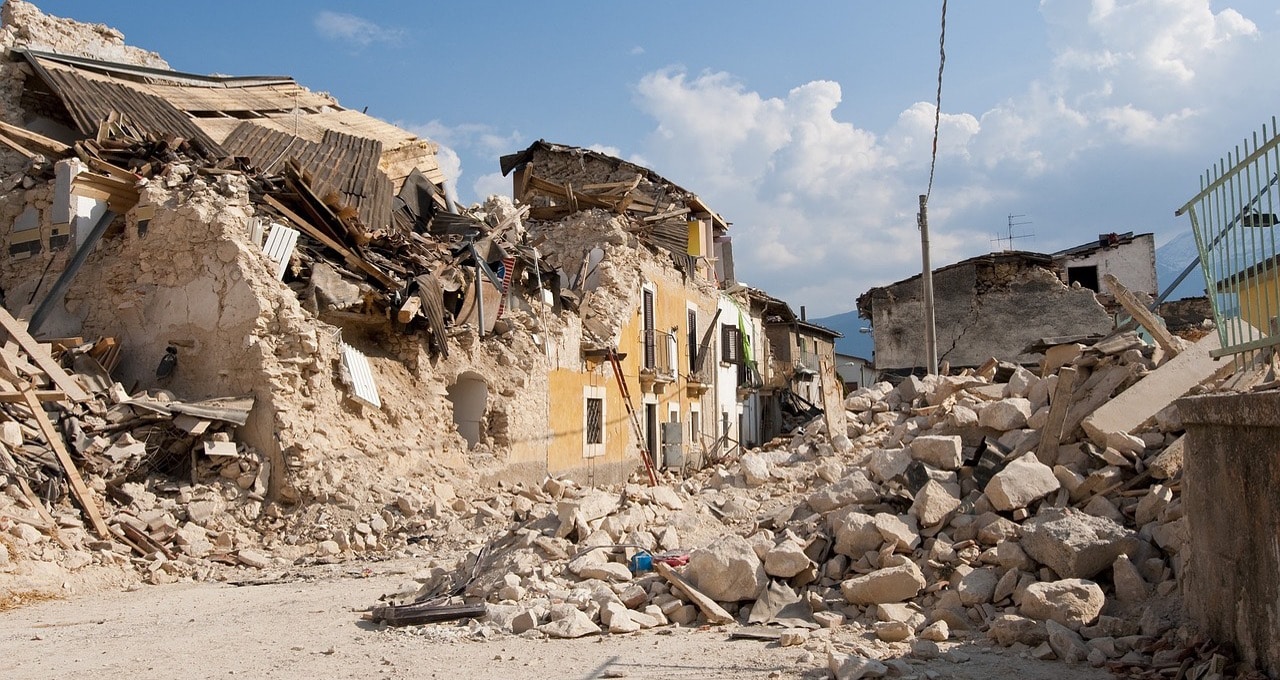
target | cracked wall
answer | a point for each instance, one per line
(981, 311)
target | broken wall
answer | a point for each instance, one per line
(1133, 262)
(25, 25)
(191, 278)
(981, 311)
(1232, 469)
(607, 268)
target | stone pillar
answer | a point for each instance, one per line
(1231, 498)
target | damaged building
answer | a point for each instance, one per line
(994, 305)
(267, 288)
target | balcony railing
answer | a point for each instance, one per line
(807, 360)
(662, 347)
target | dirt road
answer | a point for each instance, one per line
(309, 626)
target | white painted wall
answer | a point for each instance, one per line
(1133, 263)
(726, 387)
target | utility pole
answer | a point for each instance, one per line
(926, 284)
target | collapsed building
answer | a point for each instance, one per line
(242, 283)
(245, 331)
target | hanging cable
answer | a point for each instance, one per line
(937, 109)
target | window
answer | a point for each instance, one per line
(695, 428)
(595, 420)
(650, 342)
(592, 421)
(1086, 276)
(730, 344)
(693, 341)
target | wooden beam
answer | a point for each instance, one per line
(43, 359)
(54, 438)
(42, 395)
(409, 309)
(710, 608)
(12, 144)
(39, 140)
(1051, 433)
(1143, 316)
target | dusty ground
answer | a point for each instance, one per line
(308, 625)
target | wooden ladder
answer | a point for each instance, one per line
(635, 420)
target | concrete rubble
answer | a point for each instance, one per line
(931, 530)
(1034, 510)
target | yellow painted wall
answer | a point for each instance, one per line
(565, 386)
(1260, 299)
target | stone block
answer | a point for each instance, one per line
(940, 451)
(892, 584)
(1021, 482)
(1006, 414)
(1075, 544)
(1071, 602)
(728, 570)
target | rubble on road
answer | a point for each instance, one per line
(933, 528)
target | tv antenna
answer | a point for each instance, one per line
(1012, 236)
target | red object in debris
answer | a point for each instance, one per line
(672, 559)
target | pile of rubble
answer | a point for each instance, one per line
(954, 507)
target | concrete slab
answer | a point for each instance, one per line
(1158, 389)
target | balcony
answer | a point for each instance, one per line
(661, 357)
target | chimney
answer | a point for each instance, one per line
(802, 314)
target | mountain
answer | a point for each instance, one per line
(855, 343)
(1172, 258)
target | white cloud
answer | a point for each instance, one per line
(472, 140)
(826, 208)
(353, 30)
(637, 50)
(490, 184)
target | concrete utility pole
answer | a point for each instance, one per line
(926, 284)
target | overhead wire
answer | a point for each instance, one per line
(937, 109)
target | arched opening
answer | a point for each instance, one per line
(469, 396)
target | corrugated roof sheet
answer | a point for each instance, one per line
(339, 163)
(91, 100)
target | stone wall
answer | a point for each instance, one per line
(982, 311)
(1232, 470)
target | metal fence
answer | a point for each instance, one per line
(1234, 219)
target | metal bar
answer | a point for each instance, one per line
(1260, 343)
(64, 279)
(1271, 144)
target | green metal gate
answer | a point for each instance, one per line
(1234, 218)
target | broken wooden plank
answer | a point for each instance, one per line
(1059, 405)
(8, 397)
(33, 138)
(48, 524)
(16, 146)
(42, 358)
(715, 614)
(1143, 316)
(17, 363)
(54, 438)
(419, 613)
(665, 215)
(1095, 392)
(409, 309)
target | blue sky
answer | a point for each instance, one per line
(808, 128)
